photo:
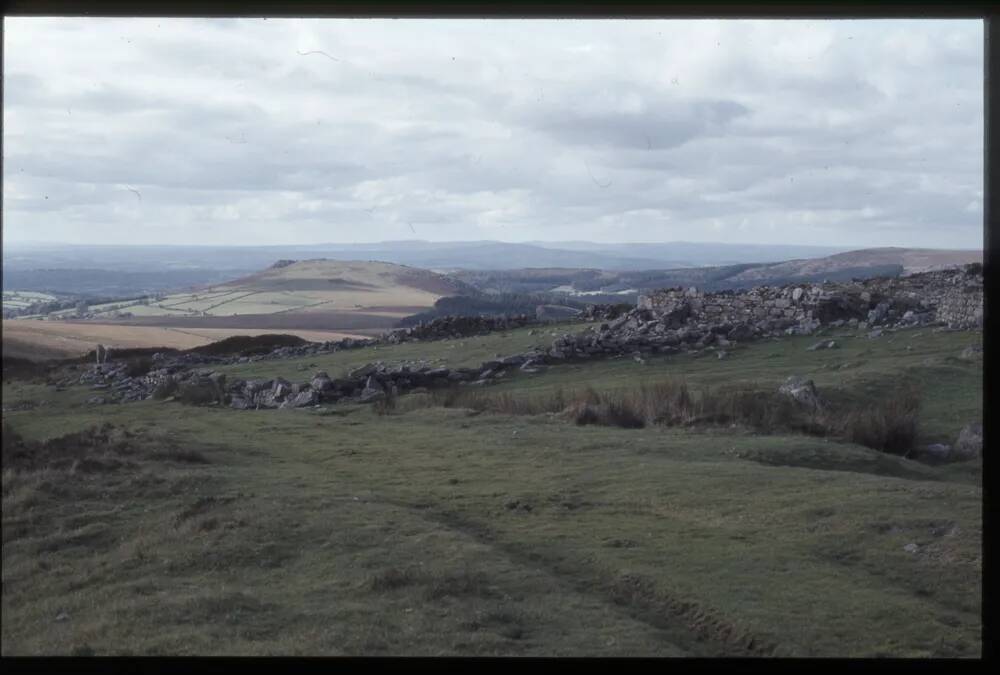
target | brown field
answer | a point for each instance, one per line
(62, 339)
(354, 322)
(317, 300)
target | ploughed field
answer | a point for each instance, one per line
(424, 529)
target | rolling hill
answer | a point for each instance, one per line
(317, 299)
(603, 284)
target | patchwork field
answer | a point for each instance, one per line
(311, 286)
(23, 299)
(441, 530)
(315, 299)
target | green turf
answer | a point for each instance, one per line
(343, 532)
(462, 352)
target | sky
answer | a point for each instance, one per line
(298, 131)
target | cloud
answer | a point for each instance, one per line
(241, 131)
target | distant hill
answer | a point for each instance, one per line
(352, 282)
(130, 270)
(316, 293)
(910, 260)
(611, 286)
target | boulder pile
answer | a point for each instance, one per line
(457, 327)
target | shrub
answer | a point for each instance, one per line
(584, 413)
(621, 413)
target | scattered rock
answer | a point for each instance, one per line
(937, 452)
(802, 390)
(824, 344)
(970, 442)
(911, 548)
(972, 353)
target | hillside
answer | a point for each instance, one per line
(911, 260)
(133, 270)
(603, 284)
(435, 528)
(317, 299)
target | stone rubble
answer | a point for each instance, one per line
(666, 322)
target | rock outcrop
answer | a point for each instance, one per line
(666, 322)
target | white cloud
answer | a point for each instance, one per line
(297, 131)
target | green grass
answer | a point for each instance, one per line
(437, 531)
(463, 352)
(874, 369)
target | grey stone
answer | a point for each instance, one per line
(825, 344)
(370, 395)
(972, 353)
(320, 382)
(801, 390)
(970, 442)
(936, 452)
(302, 399)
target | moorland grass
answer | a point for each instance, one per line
(514, 534)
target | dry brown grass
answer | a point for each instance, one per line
(888, 426)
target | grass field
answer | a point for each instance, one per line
(441, 531)
(23, 299)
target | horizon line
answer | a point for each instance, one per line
(847, 247)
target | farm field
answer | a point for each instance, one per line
(34, 339)
(22, 299)
(324, 286)
(446, 531)
(317, 300)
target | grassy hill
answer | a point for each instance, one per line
(440, 530)
(316, 299)
(309, 286)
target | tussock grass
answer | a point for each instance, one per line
(387, 405)
(196, 394)
(461, 584)
(889, 426)
(391, 579)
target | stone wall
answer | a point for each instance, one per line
(953, 297)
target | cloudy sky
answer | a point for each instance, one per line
(206, 131)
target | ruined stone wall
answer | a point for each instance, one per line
(953, 297)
